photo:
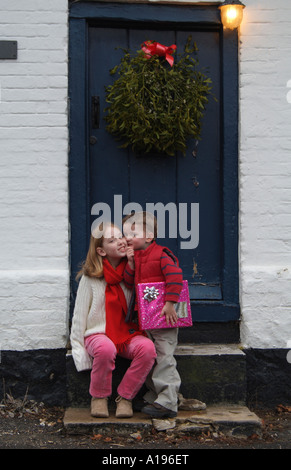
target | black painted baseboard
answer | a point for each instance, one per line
(39, 374)
(268, 377)
(42, 375)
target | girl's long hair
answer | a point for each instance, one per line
(93, 264)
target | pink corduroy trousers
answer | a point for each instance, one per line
(140, 351)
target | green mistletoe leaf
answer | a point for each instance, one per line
(155, 107)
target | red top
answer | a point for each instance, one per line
(155, 264)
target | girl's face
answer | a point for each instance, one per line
(114, 245)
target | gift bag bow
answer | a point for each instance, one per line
(150, 293)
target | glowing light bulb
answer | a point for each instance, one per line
(231, 15)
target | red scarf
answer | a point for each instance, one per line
(116, 307)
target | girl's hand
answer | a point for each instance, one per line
(130, 257)
(170, 313)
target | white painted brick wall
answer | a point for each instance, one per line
(34, 272)
(265, 174)
(34, 284)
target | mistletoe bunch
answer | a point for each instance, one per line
(155, 105)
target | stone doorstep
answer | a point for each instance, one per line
(209, 350)
(215, 373)
(231, 420)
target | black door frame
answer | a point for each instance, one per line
(204, 17)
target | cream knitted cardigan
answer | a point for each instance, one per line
(89, 317)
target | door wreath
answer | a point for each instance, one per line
(156, 104)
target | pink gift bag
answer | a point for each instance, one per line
(151, 299)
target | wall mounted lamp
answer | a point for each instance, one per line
(231, 13)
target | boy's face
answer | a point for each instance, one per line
(135, 236)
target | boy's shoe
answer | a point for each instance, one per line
(99, 408)
(123, 408)
(158, 411)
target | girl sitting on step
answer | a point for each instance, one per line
(99, 331)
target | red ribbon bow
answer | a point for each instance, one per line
(155, 48)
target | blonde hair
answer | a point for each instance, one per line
(147, 220)
(93, 264)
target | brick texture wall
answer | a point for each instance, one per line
(265, 174)
(33, 176)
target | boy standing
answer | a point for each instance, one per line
(150, 262)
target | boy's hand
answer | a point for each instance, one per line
(130, 257)
(170, 313)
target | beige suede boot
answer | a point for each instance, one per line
(99, 408)
(123, 408)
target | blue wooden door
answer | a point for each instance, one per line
(200, 177)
